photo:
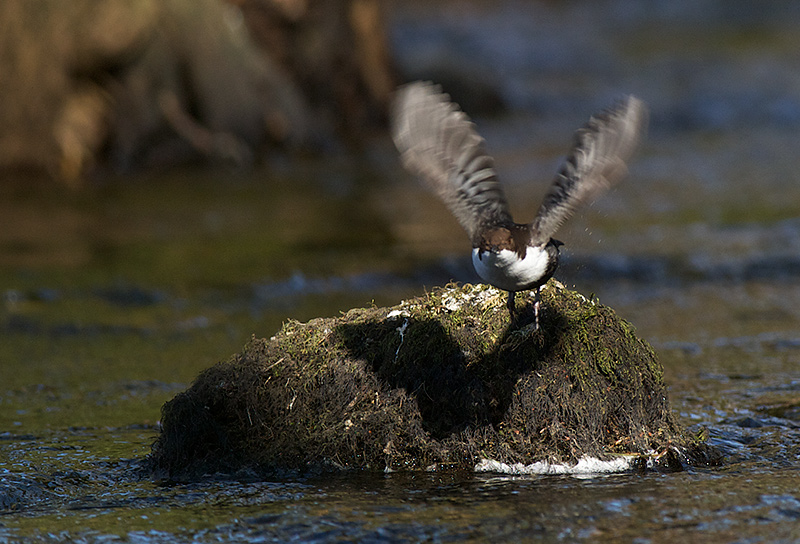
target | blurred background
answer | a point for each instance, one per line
(179, 175)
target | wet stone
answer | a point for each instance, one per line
(440, 382)
(749, 423)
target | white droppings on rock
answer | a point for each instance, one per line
(453, 304)
(402, 330)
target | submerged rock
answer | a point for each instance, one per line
(442, 381)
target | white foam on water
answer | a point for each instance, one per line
(585, 466)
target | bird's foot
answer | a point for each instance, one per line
(518, 337)
(530, 328)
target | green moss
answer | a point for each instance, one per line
(442, 380)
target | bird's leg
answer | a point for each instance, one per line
(511, 309)
(536, 306)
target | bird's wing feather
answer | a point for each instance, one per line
(439, 143)
(596, 162)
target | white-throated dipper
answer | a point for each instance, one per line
(439, 143)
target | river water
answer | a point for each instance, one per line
(114, 298)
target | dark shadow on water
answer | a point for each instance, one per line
(454, 388)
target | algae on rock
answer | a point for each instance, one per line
(444, 380)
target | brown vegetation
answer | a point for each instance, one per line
(441, 381)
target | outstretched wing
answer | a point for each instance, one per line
(595, 163)
(439, 143)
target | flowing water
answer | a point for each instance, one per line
(114, 298)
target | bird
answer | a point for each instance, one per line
(439, 143)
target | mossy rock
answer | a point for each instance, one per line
(441, 381)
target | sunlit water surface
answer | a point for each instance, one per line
(114, 298)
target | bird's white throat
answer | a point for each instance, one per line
(505, 270)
